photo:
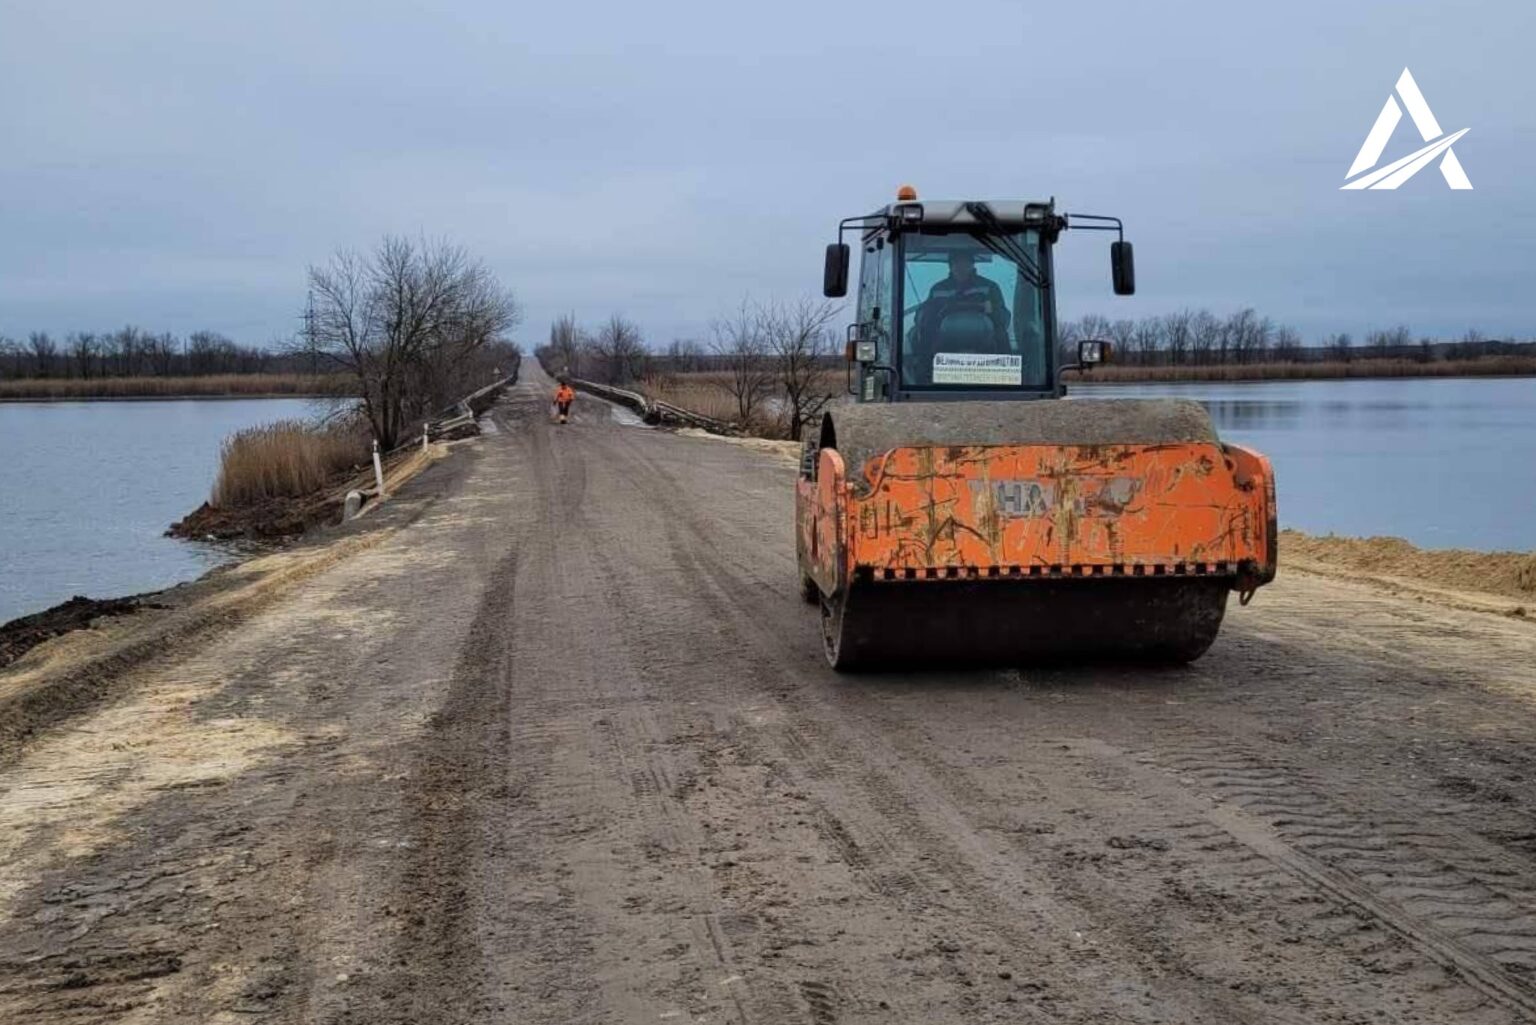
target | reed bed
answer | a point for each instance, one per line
(211, 386)
(286, 459)
(1487, 366)
(701, 393)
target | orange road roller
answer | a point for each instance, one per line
(961, 509)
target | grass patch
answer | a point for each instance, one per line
(212, 386)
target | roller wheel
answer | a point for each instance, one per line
(842, 654)
(1150, 622)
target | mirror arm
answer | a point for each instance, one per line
(1108, 224)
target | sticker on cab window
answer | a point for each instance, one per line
(977, 368)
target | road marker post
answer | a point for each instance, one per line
(378, 468)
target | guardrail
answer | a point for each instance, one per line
(653, 411)
(462, 413)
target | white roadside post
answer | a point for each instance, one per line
(423, 435)
(378, 468)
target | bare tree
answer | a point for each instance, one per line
(82, 348)
(44, 349)
(209, 352)
(565, 345)
(1205, 333)
(406, 321)
(1178, 330)
(1341, 348)
(738, 342)
(1238, 338)
(619, 350)
(162, 353)
(1123, 334)
(1287, 345)
(685, 356)
(14, 354)
(1147, 339)
(1473, 344)
(1068, 334)
(1381, 344)
(127, 346)
(799, 340)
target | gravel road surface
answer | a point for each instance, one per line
(563, 749)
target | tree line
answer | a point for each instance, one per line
(1202, 338)
(133, 352)
(417, 325)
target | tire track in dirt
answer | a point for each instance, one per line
(1404, 873)
(924, 857)
(666, 739)
(1467, 919)
(456, 786)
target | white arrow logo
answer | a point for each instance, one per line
(1394, 174)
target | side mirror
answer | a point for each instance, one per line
(1091, 352)
(1122, 267)
(834, 276)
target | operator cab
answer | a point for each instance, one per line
(955, 299)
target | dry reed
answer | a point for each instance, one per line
(287, 459)
(702, 393)
(212, 386)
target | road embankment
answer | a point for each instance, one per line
(275, 490)
(61, 661)
(1502, 582)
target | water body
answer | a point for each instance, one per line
(88, 488)
(1443, 462)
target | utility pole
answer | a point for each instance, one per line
(309, 334)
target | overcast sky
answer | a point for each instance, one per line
(178, 165)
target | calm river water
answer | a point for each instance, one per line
(1443, 462)
(88, 488)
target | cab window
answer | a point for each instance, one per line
(971, 313)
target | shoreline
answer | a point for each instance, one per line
(186, 397)
(60, 660)
(271, 529)
(264, 535)
(260, 385)
(1074, 378)
(1354, 370)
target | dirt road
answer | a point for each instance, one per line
(563, 749)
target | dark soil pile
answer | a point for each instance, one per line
(20, 636)
(273, 520)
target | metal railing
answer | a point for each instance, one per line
(463, 412)
(654, 411)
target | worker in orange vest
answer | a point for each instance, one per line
(564, 396)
